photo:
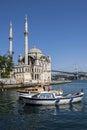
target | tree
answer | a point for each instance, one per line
(6, 65)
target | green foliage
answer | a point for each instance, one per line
(6, 65)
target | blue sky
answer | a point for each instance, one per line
(57, 27)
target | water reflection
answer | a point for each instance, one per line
(8, 101)
(54, 110)
(71, 107)
(37, 109)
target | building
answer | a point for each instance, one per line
(34, 66)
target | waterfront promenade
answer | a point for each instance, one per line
(12, 86)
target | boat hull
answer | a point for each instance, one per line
(69, 100)
(38, 101)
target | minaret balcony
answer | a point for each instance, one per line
(25, 33)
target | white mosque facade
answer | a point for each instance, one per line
(34, 66)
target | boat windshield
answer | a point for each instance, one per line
(44, 96)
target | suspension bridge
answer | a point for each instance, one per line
(68, 75)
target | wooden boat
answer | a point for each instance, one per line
(29, 91)
(51, 98)
(34, 90)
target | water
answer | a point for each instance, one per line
(14, 115)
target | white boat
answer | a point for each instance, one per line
(51, 98)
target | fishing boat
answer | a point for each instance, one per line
(51, 98)
(34, 90)
(28, 91)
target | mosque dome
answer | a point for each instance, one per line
(35, 50)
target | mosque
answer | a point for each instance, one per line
(34, 66)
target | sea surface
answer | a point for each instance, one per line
(15, 115)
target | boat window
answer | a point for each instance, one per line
(46, 95)
(36, 95)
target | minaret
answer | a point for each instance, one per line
(26, 40)
(10, 41)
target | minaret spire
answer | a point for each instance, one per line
(26, 40)
(10, 40)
